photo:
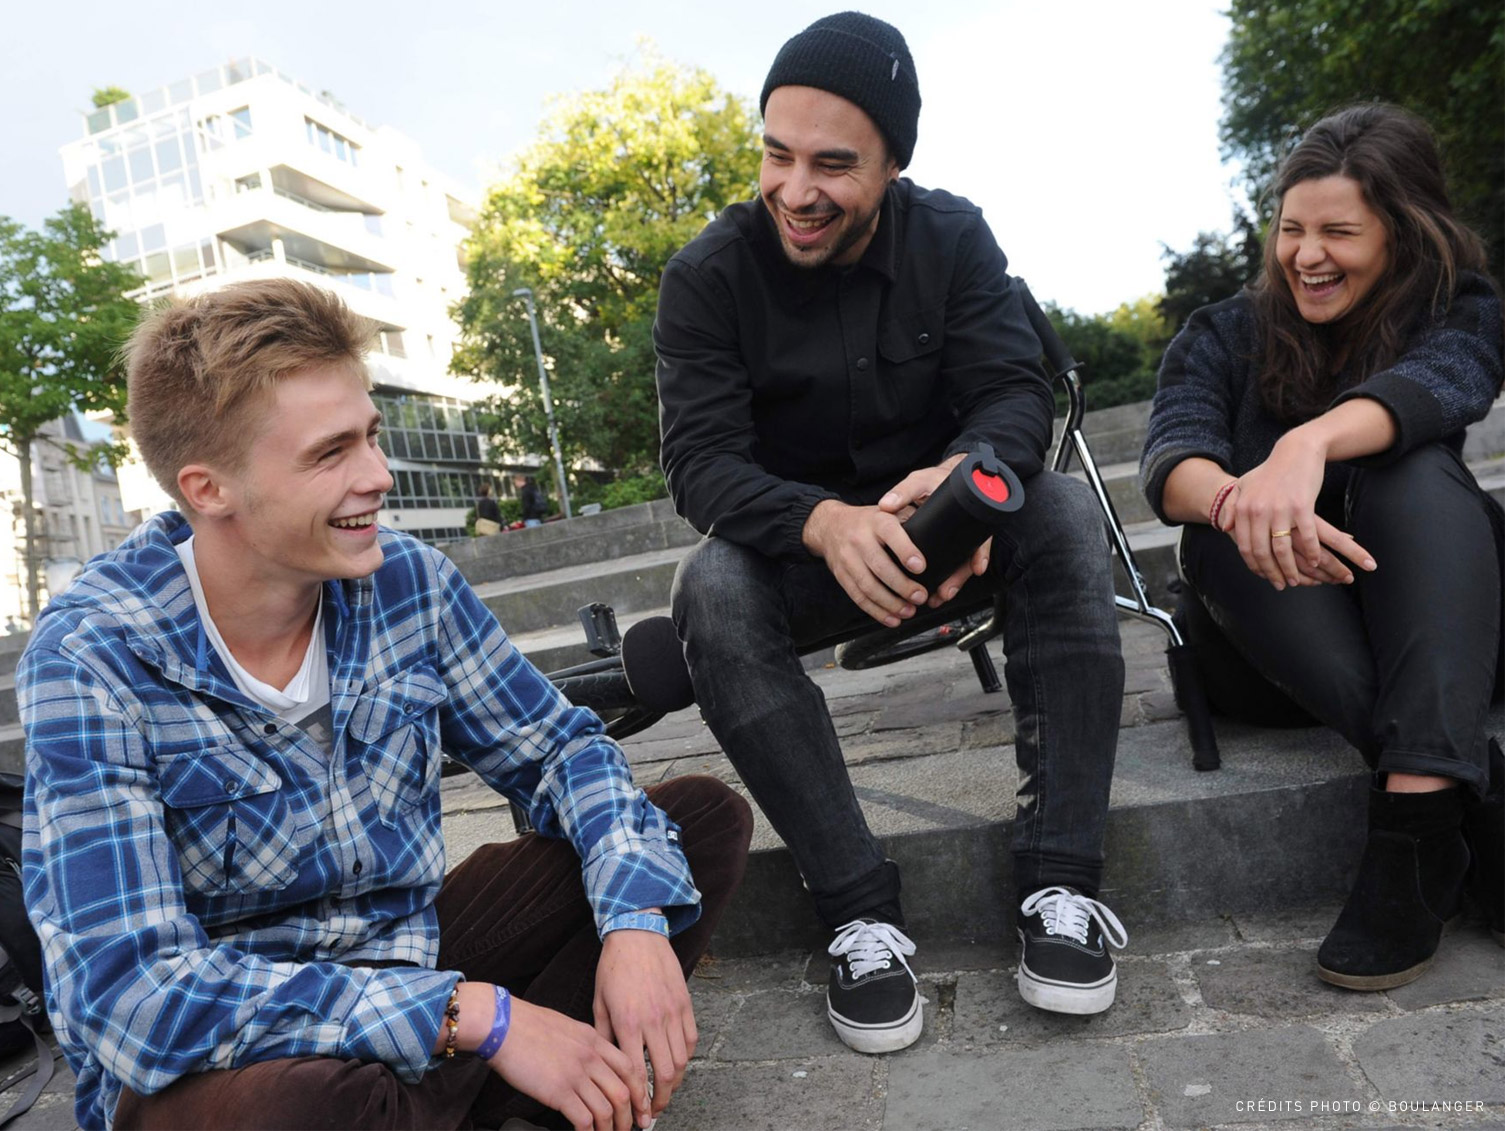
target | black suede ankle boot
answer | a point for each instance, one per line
(1484, 831)
(1409, 889)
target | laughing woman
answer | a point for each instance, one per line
(1344, 564)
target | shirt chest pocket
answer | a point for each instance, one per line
(396, 728)
(233, 827)
(910, 344)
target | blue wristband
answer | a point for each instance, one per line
(499, 1025)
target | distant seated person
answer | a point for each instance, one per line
(487, 509)
(234, 726)
(1343, 564)
(530, 494)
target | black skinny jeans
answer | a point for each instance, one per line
(1403, 662)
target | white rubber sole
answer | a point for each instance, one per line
(1062, 997)
(891, 1037)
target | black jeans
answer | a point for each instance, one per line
(1402, 663)
(740, 615)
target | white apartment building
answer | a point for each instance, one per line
(241, 172)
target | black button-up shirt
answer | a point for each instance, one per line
(781, 386)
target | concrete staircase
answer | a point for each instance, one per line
(535, 579)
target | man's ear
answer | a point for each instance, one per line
(204, 490)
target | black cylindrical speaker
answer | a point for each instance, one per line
(962, 513)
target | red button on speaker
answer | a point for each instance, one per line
(993, 486)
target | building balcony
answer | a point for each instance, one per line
(339, 241)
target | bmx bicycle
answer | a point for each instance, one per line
(607, 684)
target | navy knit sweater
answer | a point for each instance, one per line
(1208, 402)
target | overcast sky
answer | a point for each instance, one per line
(1087, 130)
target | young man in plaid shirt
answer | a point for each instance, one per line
(233, 853)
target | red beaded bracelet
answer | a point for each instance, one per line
(1218, 500)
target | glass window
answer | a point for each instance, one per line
(95, 185)
(99, 121)
(127, 246)
(125, 111)
(153, 101)
(195, 186)
(242, 119)
(384, 284)
(114, 173)
(141, 164)
(373, 223)
(249, 183)
(153, 238)
(206, 253)
(339, 147)
(157, 270)
(185, 260)
(209, 81)
(180, 91)
(169, 156)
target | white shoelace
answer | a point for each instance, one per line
(871, 946)
(1067, 914)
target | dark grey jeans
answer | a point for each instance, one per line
(741, 616)
(1402, 662)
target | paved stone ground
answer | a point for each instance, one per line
(1219, 1022)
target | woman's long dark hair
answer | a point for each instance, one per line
(1392, 156)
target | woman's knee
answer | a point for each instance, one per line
(1417, 486)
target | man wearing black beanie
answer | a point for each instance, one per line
(826, 355)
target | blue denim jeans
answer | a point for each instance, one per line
(742, 615)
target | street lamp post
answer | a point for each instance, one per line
(526, 294)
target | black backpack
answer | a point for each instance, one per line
(23, 1020)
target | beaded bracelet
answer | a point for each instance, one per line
(452, 1023)
(500, 1022)
(1219, 499)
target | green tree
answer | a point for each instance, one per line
(1215, 267)
(109, 95)
(1288, 62)
(617, 181)
(63, 320)
(1118, 352)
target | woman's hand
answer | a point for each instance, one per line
(1272, 516)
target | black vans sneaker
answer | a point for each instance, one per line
(872, 998)
(1065, 966)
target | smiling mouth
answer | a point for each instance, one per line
(1321, 284)
(355, 521)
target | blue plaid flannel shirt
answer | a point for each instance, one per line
(207, 882)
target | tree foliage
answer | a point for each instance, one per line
(1289, 62)
(617, 181)
(1119, 352)
(109, 95)
(63, 320)
(1215, 267)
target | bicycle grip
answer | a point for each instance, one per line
(962, 513)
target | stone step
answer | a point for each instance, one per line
(620, 533)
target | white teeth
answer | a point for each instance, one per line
(808, 225)
(1318, 280)
(355, 522)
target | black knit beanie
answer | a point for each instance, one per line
(865, 61)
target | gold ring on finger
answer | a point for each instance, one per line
(1280, 534)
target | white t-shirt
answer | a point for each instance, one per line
(306, 692)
